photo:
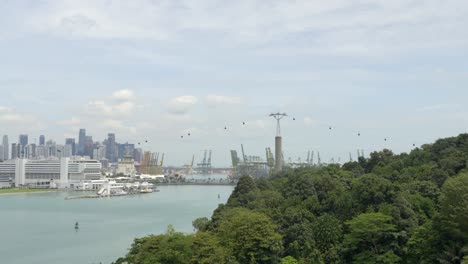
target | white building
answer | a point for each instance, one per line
(126, 166)
(60, 173)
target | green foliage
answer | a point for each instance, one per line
(169, 248)
(454, 207)
(388, 208)
(370, 237)
(201, 224)
(207, 249)
(239, 196)
(289, 260)
(250, 236)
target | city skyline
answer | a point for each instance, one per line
(390, 70)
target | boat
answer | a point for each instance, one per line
(76, 225)
(147, 190)
(118, 192)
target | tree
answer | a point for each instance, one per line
(289, 260)
(244, 186)
(327, 234)
(454, 207)
(169, 248)
(371, 189)
(207, 249)
(201, 223)
(250, 236)
(370, 237)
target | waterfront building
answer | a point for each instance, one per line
(41, 140)
(6, 148)
(1, 153)
(126, 166)
(61, 173)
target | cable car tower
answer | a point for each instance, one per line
(278, 142)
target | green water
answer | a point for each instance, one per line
(39, 227)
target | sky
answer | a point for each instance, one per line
(156, 70)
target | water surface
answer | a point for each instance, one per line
(39, 227)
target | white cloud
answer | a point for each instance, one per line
(182, 104)
(123, 105)
(15, 120)
(215, 100)
(366, 26)
(124, 95)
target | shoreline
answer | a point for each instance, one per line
(27, 192)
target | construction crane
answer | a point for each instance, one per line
(162, 160)
(244, 157)
(205, 165)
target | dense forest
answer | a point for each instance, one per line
(387, 208)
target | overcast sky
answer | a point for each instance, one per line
(157, 70)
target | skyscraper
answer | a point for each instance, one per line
(6, 148)
(41, 140)
(15, 150)
(23, 139)
(111, 148)
(81, 142)
(71, 142)
(88, 146)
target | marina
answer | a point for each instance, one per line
(46, 228)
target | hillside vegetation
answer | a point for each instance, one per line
(407, 208)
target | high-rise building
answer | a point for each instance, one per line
(15, 150)
(51, 147)
(88, 146)
(64, 151)
(41, 140)
(111, 148)
(99, 152)
(23, 141)
(1, 153)
(71, 142)
(125, 150)
(30, 151)
(6, 148)
(138, 155)
(81, 142)
(42, 151)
